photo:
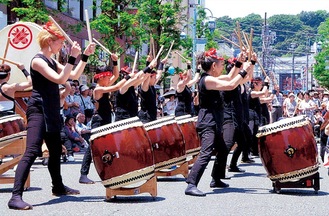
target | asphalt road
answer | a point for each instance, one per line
(249, 194)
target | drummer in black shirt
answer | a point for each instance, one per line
(147, 93)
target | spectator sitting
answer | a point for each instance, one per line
(75, 138)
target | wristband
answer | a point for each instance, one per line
(26, 74)
(253, 62)
(238, 64)
(84, 58)
(115, 63)
(267, 85)
(188, 67)
(160, 66)
(71, 60)
(198, 70)
(127, 77)
(148, 63)
(147, 70)
(243, 73)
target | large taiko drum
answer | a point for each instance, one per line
(167, 142)
(21, 48)
(12, 127)
(288, 149)
(187, 125)
(122, 153)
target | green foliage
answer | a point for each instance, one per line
(320, 72)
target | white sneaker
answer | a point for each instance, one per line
(70, 158)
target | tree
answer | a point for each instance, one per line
(163, 21)
(321, 72)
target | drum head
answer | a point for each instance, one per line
(22, 47)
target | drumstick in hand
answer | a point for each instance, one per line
(158, 55)
(181, 56)
(6, 50)
(61, 30)
(9, 61)
(88, 26)
(172, 43)
(135, 61)
(103, 47)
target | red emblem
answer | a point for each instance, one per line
(20, 36)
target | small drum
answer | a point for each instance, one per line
(22, 46)
(122, 153)
(167, 142)
(288, 149)
(187, 125)
(12, 127)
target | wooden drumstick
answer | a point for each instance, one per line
(238, 33)
(6, 50)
(172, 43)
(228, 40)
(88, 26)
(250, 44)
(61, 30)
(158, 55)
(261, 67)
(152, 47)
(135, 61)
(9, 61)
(103, 47)
(181, 56)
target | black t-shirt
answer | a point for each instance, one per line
(104, 109)
(45, 96)
(184, 105)
(211, 106)
(127, 102)
(148, 102)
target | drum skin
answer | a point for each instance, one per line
(188, 128)
(11, 127)
(167, 142)
(289, 154)
(22, 46)
(130, 151)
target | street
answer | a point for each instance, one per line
(249, 194)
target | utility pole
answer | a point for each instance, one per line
(265, 36)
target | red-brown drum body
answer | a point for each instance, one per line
(288, 149)
(187, 125)
(167, 142)
(12, 127)
(122, 153)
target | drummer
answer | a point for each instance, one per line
(7, 91)
(210, 119)
(183, 91)
(43, 112)
(126, 97)
(147, 93)
(104, 77)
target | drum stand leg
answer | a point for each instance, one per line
(150, 186)
(312, 181)
(15, 147)
(182, 169)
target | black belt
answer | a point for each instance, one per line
(276, 106)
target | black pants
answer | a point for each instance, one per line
(232, 134)
(210, 138)
(36, 133)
